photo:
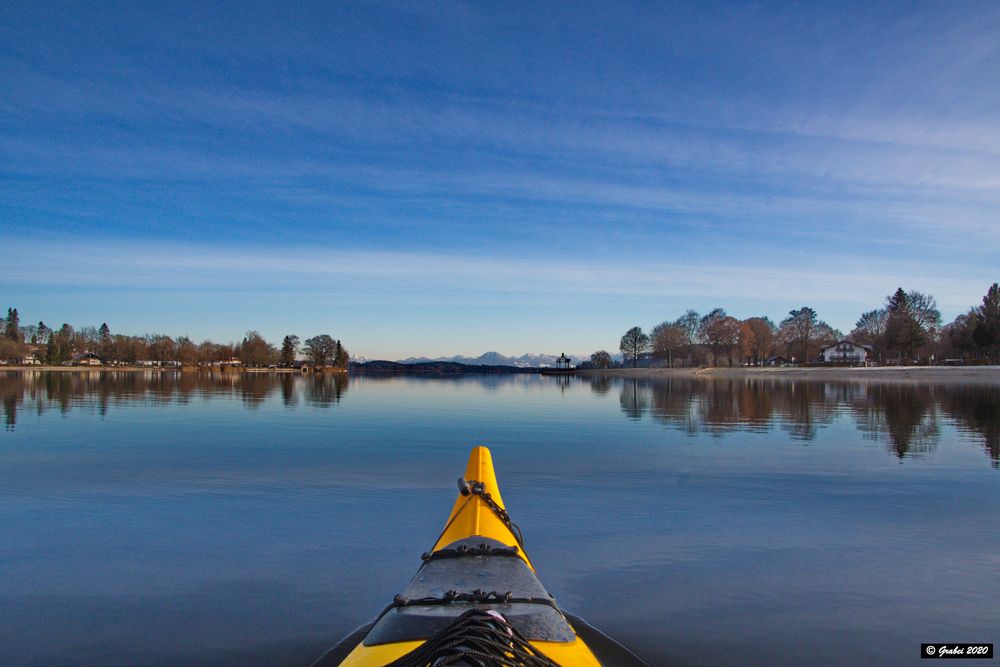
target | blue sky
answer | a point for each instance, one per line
(443, 178)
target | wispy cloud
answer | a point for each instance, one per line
(402, 277)
(753, 155)
(879, 174)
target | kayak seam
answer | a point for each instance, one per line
(451, 521)
(477, 596)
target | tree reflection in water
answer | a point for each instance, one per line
(96, 391)
(634, 400)
(906, 417)
(975, 411)
(600, 384)
(903, 415)
(325, 389)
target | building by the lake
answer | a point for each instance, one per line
(846, 352)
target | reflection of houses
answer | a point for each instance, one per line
(845, 393)
(845, 352)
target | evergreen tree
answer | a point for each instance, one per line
(51, 350)
(12, 325)
(105, 345)
(903, 331)
(63, 344)
(342, 359)
(987, 330)
(289, 348)
(898, 301)
(960, 336)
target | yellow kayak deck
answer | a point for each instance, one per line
(477, 562)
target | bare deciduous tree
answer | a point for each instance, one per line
(666, 339)
(320, 349)
(187, 351)
(255, 351)
(870, 329)
(633, 344)
(799, 329)
(756, 339)
(600, 359)
(721, 333)
(688, 323)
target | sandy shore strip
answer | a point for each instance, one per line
(914, 374)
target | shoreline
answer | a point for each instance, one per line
(912, 374)
(158, 369)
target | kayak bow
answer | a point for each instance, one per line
(476, 589)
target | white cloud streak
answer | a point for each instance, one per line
(420, 277)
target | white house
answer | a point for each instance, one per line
(33, 355)
(846, 352)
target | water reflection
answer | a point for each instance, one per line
(905, 417)
(978, 413)
(205, 511)
(324, 390)
(37, 392)
(718, 407)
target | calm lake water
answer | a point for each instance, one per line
(255, 519)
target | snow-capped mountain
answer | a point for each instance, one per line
(497, 359)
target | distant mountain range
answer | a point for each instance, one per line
(497, 359)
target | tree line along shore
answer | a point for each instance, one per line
(906, 330)
(42, 347)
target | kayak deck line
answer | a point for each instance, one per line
(472, 487)
(476, 594)
(464, 550)
(479, 508)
